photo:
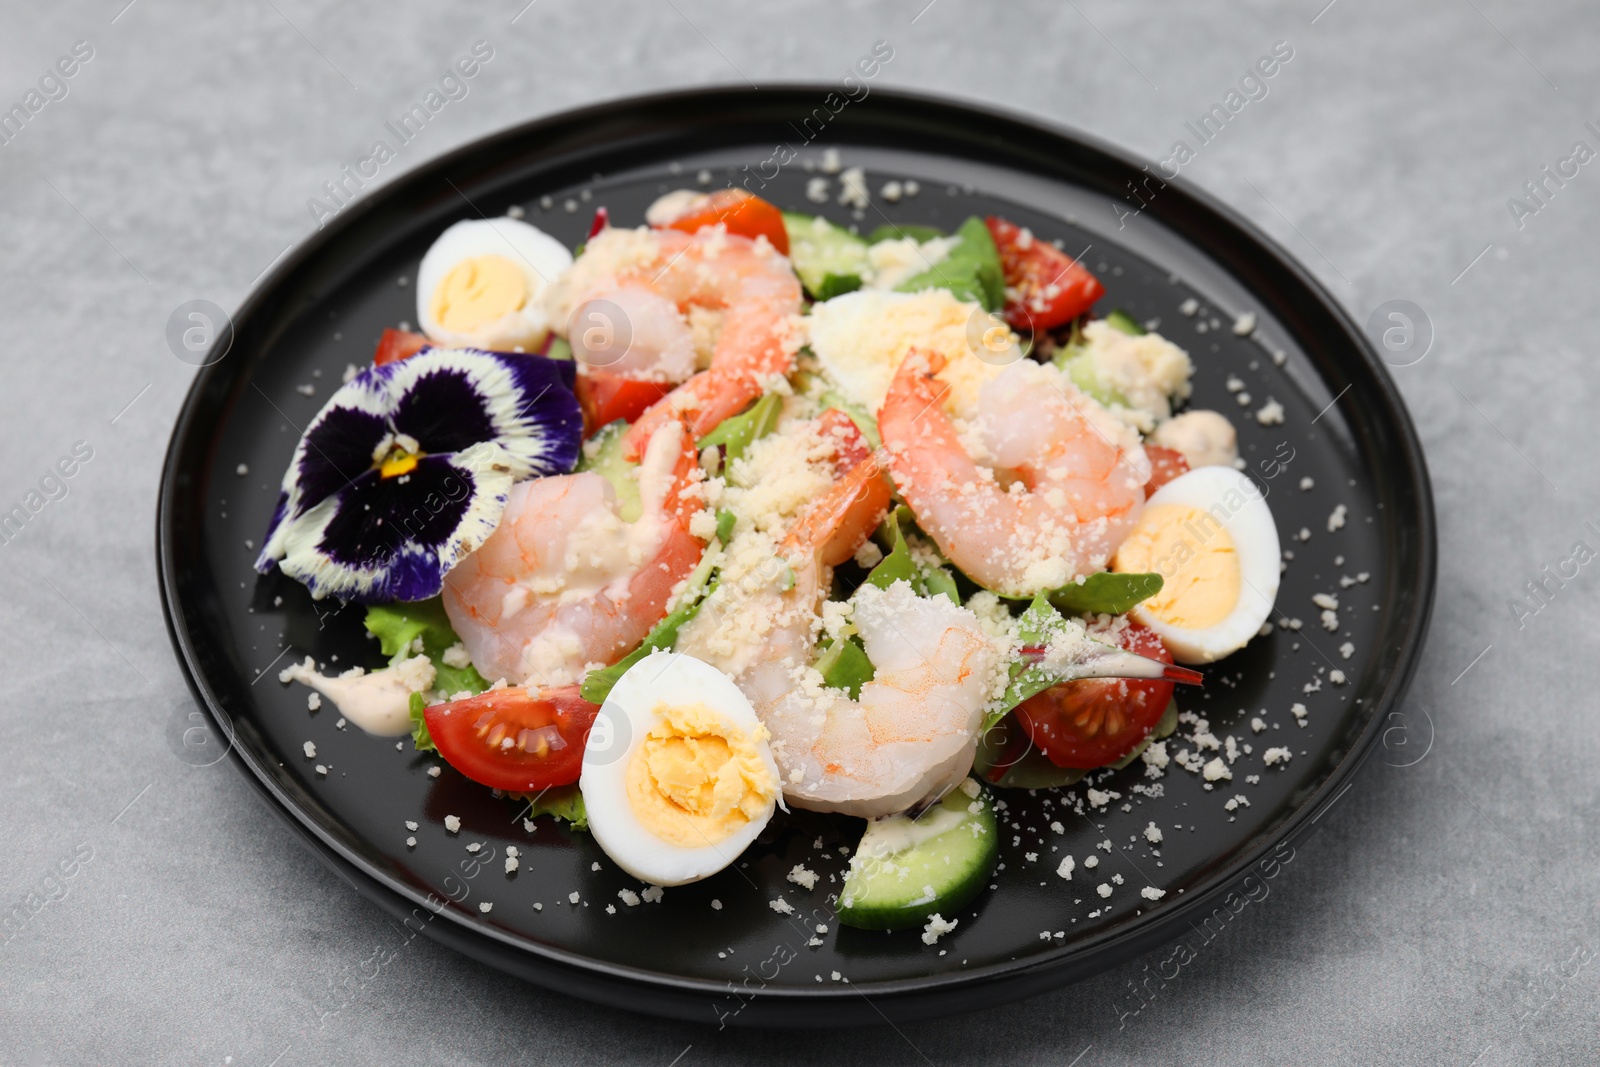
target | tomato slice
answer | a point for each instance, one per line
(396, 345)
(742, 212)
(515, 739)
(1096, 721)
(606, 397)
(1045, 287)
(1165, 465)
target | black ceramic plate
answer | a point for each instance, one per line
(717, 950)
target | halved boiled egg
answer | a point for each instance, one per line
(1210, 536)
(481, 285)
(677, 778)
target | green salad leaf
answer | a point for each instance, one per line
(564, 802)
(1105, 593)
(421, 740)
(597, 683)
(897, 565)
(1037, 626)
(397, 626)
(844, 665)
(833, 285)
(971, 271)
(740, 432)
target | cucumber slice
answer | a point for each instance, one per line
(1079, 363)
(825, 256)
(905, 869)
(602, 454)
(1123, 321)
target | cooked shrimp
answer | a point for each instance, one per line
(913, 731)
(1061, 487)
(563, 583)
(657, 278)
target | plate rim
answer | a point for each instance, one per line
(909, 998)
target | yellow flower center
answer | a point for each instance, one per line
(399, 462)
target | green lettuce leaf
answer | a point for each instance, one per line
(396, 626)
(1105, 593)
(1037, 626)
(421, 740)
(597, 683)
(844, 665)
(971, 271)
(897, 565)
(738, 433)
(564, 802)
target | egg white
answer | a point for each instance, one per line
(624, 720)
(541, 258)
(1240, 506)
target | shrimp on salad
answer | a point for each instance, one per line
(564, 582)
(1063, 488)
(645, 291)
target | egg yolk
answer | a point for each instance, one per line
(1195, 556)
(695, 780)
(477, 292)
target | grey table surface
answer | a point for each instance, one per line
(1443, 914)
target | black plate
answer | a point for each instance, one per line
(743, 962)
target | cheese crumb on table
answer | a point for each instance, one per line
(802, 877)
(781, 906)
(1150, 892)
(1066, 867)
(311, 750)
(452, 823)
(1104, 889)
(1216, 770)
(1152, 833)
(1275, 755)
(1336, 519)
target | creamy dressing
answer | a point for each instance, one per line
(379, 702)
(896, 833)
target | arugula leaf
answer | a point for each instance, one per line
(898, 564)
(844, 665)
(421, 740)
(1037, 626)
(1105, 593)
(738, 433)
(910, 229)
(1123, 321)
(971, 271)
(936, 580)
(397, 626)
(832, 398)
(564, 802)
(597, 683)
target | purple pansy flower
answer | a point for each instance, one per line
(406, 468)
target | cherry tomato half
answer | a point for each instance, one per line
(606, 397)
(742, 212)
(1165, 465)
(515, 739)
(396, 345)
(1096, 721)
(1045, 287)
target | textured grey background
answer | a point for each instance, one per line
(1443, 915)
